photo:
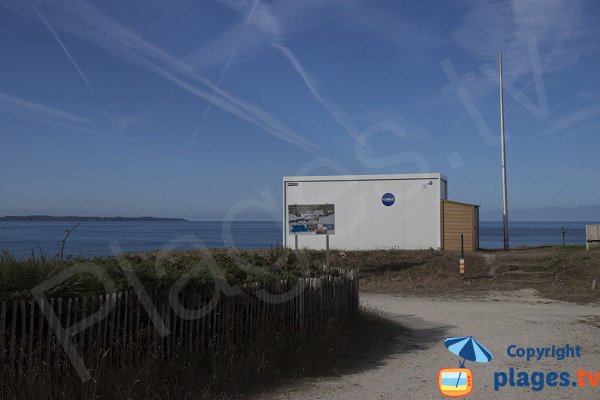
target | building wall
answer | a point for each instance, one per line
(444, 190)
(362, 221)
(457, 219)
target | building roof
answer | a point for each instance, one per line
(381, 177)
(461, 203)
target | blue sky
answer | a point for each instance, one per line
(196, 109)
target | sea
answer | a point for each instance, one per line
(102, 238)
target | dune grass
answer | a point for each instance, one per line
(561, 272)
(156, 270)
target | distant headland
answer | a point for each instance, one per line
(71, 218)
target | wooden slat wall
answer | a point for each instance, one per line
(457, 219)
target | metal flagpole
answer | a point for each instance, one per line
(504, 199)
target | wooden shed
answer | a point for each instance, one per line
(456, 219)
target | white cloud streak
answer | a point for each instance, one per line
(40, 113)
(557, 25)
(268, 23)
(225, 68)
(283, 20)
(34, 110)
(244, 111)
(63, 48)
(86, 22)
(80, 129)
(572, 121)
(335, 112)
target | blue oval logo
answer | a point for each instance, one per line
(388, 199)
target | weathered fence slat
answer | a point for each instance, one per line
(138, 334)
(2, 334)
(204, 329)
(30, 349)
(126, 330)
(103, 326)
(84, 314)
(23, 335)
(111, 327)
(13, 334)
(126, 338)
(49, 336)
(57, 346)
(163, 340)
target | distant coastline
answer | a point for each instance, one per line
(70, 218)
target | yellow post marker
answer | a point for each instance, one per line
(462, 256)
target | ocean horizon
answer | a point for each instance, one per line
(101, 238)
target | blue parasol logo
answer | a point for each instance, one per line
(469, 349)
(458, 382)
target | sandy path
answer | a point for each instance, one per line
(499, 320)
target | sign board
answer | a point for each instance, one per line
(311, 219)
(592, 236)
(592, 232)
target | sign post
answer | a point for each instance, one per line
(327, 250)
(296, 242)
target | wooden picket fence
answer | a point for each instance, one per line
(27, 342)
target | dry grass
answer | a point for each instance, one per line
(558, 272)
(562, 273)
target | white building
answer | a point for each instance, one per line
(371, 211)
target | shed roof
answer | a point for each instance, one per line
(460, 203)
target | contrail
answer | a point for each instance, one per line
(29, 108)
(247, 113)
(225, 69)
(63, 47)
(337, 114)
(278, 44)
(90, 24)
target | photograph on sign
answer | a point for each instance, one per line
(311, 219)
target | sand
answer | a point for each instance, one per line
(498, 320)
